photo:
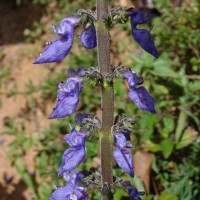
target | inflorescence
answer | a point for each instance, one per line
(68, 99)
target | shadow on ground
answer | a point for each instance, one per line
(14, 19)
(17, 193)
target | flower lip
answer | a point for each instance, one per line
(74, 20)
(55, 51)
(121, 141)
(71, 190)
(142, 36)
(122, 156)
(132, 79)
(68, 95)
(59, 48)
(75, 155)
(139, 95)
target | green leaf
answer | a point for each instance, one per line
(152, 146)
(194, 86)
(147, 124)
(162, 68)
(166, 147)
(181, 125)
(166, 196)
(27, 144)
(168, 126)
(136, 59)
(160, 89)
(120, 193)
(187, 138)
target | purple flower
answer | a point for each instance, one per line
(88, 37)
(71, 190)
(9, 179)
(79, 118)
(127, 133)
(73, 156)
(121, 155)
(1, 141)
(68, 95)
(141, 36)
(139, 96)
(134, 194)
(58, 49)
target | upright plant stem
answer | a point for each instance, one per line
(107, 100)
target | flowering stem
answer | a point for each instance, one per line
(107, 100)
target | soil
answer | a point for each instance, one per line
(17, 57)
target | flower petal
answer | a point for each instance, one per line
(72, 158)
(124, 160)
(80, 117)
(81, 194)
(67, 97)
(134, 194)
(75, 139)
(71, 190)
(137, 17)
(132, 78)
(141, 98)
(66, 29)
(88, 38)
(61, 193)
(73, 73)
(145, 40)
(56, 51)
(65, 107)
(142, 36)
(127, 133)
(74, 20)
(75, 178)
(121, 141)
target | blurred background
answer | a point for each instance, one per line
(166, 145)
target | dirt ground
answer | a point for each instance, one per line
(18, 56)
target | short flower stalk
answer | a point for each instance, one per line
(115, 144)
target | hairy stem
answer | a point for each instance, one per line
(107, 100)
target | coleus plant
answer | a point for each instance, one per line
(96, 26)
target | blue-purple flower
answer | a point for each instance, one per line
(68, 94)
(141, 36)
(71, 190)
(79, 118)
(88, 37)
(134, 194)
(58, 49)
(73, 156)
(122, 156)
(139, 96)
